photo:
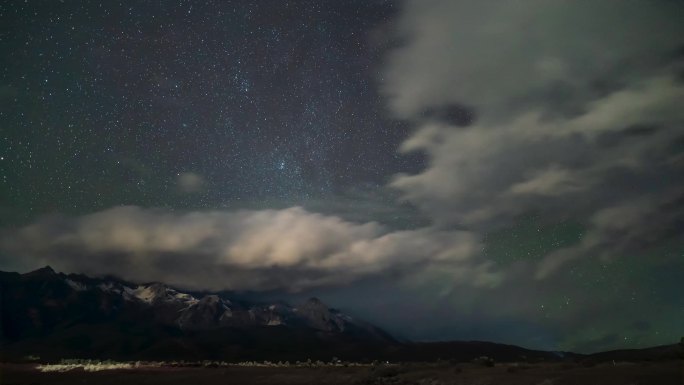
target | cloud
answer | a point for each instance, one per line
(576, 114)
(508, 56)
(624, 229)
(550, 181)
(287, 249)
(189, 182)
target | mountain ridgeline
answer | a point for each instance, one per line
(54, 315)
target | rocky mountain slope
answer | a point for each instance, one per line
(44, 299)
(54, 314)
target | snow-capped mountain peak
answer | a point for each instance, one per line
(158, 292)
(211, 311)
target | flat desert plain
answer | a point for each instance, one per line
(646, 373)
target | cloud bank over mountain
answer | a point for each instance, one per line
(289, 249)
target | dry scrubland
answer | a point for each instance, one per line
(132, 373)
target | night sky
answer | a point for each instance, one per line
(505, 171)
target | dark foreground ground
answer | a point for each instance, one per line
(656, 373)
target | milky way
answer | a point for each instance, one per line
(108, 104)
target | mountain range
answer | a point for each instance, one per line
(54, 315)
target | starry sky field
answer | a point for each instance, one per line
(504, 171)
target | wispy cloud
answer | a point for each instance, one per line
(189, 182)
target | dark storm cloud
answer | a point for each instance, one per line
(287, 249)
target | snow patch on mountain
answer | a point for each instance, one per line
(159, 293)
(226, 314)
(78, 286)
(145, 293)
(184, 297)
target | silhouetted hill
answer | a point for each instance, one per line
(656, 353)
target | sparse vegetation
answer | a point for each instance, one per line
(336, 372)
(87, 365)
(99, 365)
